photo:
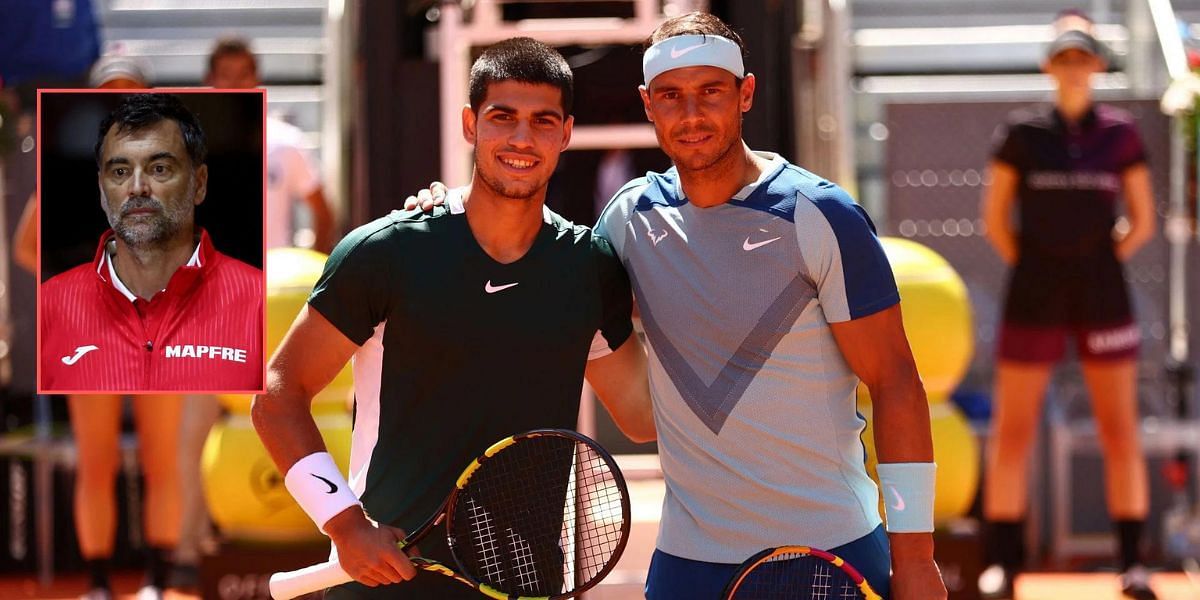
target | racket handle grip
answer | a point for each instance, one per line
(290, 584)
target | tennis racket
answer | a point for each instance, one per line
(797, 573)
(542, 514)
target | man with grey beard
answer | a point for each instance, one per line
(159, 308)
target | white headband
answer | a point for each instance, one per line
(692, 51)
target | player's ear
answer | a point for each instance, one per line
(469, 123)
(644, 92)
(746, 92)
(201, 184)
(568, 126)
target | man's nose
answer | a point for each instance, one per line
(139, 184)
(521, 136)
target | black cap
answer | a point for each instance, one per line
(1077, 40)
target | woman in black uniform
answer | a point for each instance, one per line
(1066, 166)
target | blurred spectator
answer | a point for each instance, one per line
(113, 72)
(1073, 19)
(119, 72)
(43, 44)
(291, 175)
(46, 40)
(96, 426)
(1065, 168)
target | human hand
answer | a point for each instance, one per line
(1181, 94)
(427, 199)
(915, 575)
(367, 550)
(918, 582)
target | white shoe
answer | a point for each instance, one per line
(1135, 583)
(995, 583)
(149, 592)
(97, 594)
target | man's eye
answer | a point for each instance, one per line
(120, 172)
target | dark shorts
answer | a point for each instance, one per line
(1050, 298)
(1080, 292)
(675, 578)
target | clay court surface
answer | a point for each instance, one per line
(625, 582)
(1041, 586)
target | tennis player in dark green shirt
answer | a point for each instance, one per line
(516, 306)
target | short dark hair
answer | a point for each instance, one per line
(525, 60)
(230, 46)
(695, 23)
(139, 111)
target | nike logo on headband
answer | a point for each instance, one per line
(692, 50)
(677, 52)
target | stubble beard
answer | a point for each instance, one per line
(702, 162)
(148, 231)
(705, 162)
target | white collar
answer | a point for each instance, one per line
(777, 163)
(456, 201)
(194, 261)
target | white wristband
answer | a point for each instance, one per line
(908, 496)
(319, 488)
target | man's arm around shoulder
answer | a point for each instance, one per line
(623, 387)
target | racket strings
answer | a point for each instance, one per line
(603, 500)
(849, 590)
(524, 567)
(796, 576)
(543, 516)
(485, 536)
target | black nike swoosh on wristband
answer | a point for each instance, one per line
(332, 486)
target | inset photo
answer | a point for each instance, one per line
(150, 241)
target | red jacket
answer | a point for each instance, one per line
(203, 333)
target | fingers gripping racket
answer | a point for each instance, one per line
(797, 573)
(543, 514)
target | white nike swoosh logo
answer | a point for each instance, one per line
(677, 52)
(747, 246)
(492, 289)
(79, 352)
(899, 505)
